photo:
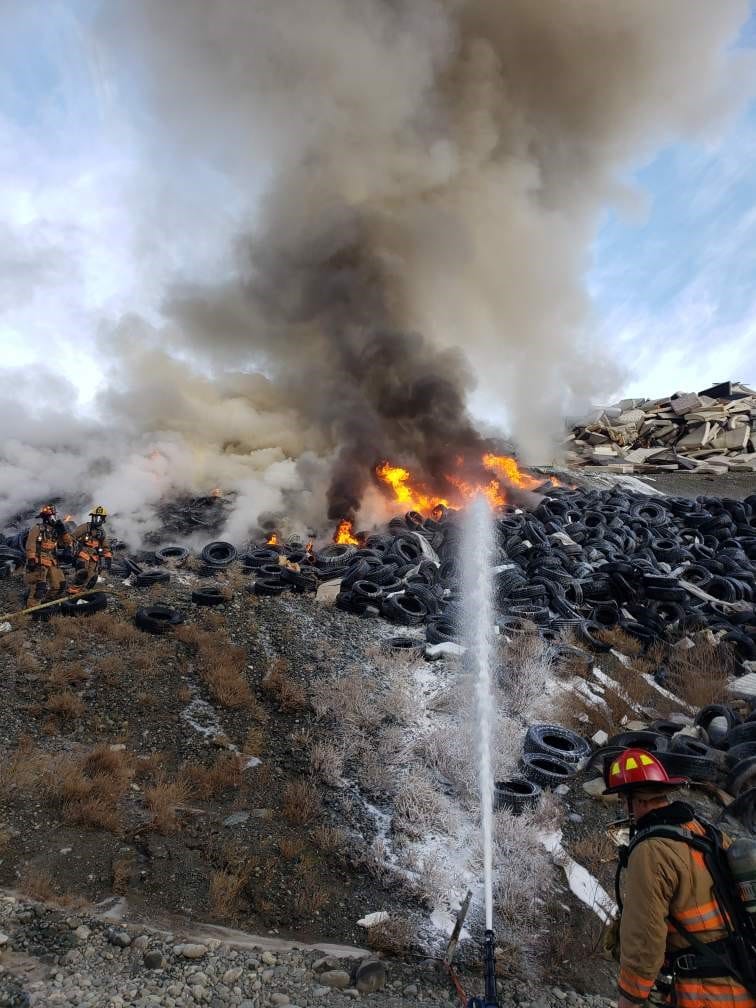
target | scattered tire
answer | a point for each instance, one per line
(84, 606)
(158, 619)
(554, 740)
(172, 554)
(150, 577)
(210, 596)
(516, 794)
(268, 586)
(441, 631)
(547, 771)
(218, 554)
(409, 646)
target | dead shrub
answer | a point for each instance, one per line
(328, 839)
(89, 788)
(205, 782)
(290, 847)
(301, 803)
(94, 811)
(377, 776)
(254, 741)
(620, 641)
(121, 871)
(594, 851)
(349, 701)
(699, 675)
(37, 885)
(66, 706)
(417, 806)
(21, 769)
(27, 663)
(149, 765)
(311, 898)
(286, 692)
(110, 670)
(327, 763)
(162, 799)
(225, 890)
(392, 937)
(114, 763)
(226, 683)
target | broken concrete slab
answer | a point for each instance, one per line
(686, 403)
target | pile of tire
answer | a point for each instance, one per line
(722, 753)
(551, 755)
(280, 568)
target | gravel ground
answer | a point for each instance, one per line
(52, 957)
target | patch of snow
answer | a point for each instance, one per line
(252, 761)
(372, 919)
(203, 718)
(587, 888)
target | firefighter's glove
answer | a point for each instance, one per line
(31, 563)
(612, 938)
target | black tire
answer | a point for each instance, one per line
(335, 555)
(347, 601)
(84, 606)
(707, 714)
(547, 771)
(740, 752)
(406, 551)
(257, 557)
(409, 646)
(157, 619)
(739, 734)
(690, 747)
(649, 740)
(666, 728)
(426, 595)
(369, 591)
(516, 794)
(218, 554)
(210, 596)
(407, 610)
(268, 587)
(441, 631)
(172, 554)
(696, 768)
(301, 580)
(554, 740)
(742, 776)
(586, 634)
(150, 577)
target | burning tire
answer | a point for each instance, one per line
(147, 578)
(85, 606)
(157, 619)
(210, 596)
(516, 794)
(218, 554)
(548, 771)
(553, 740)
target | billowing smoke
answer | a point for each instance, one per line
(434, 174)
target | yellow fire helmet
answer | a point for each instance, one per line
(99, 512)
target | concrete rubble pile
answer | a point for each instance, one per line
(709, 432)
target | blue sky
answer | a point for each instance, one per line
(672, 284)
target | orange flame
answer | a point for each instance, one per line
(217, 492)
(272, 539)
(414, 498)
(344, 534)
(507, 469)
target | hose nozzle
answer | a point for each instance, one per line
(490, 999)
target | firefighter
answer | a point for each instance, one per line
(91, 550)
(671, 906)
(43, 575)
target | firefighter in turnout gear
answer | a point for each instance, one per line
(673, 919)
(91, 550)
(43, 575)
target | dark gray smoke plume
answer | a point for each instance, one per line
(437, 167)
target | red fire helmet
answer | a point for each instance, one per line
(635, 767)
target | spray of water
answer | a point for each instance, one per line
(477, 552)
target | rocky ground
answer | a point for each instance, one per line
(57, 957)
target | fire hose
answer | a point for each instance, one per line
(489, 999)
(57, 601)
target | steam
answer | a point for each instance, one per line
(435, 171)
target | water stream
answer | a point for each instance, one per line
(478, 615)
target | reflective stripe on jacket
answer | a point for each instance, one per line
(667, 878)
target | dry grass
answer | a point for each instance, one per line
(329, 839)
(417, 807)
(162, 799)
(120, 875)
(65, 674)
(699, 675)
(393, 937)
(311, 898)
(205, 782)
(594, 851)
(327, 763)
(65, 706)
(286, 692)
(291, 847)
(22, 769)
(221, 665)
(37, 885)
(254, 742)
(350, 701)
(225, 890)
(301, 804)
(89, 788)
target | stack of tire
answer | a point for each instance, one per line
(551, 755)
(272, 577)
(216, 556)
(723, 755)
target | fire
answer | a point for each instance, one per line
(414, 498)
(344, 534)
(413, 495)
(272, 539)
(216, 492)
